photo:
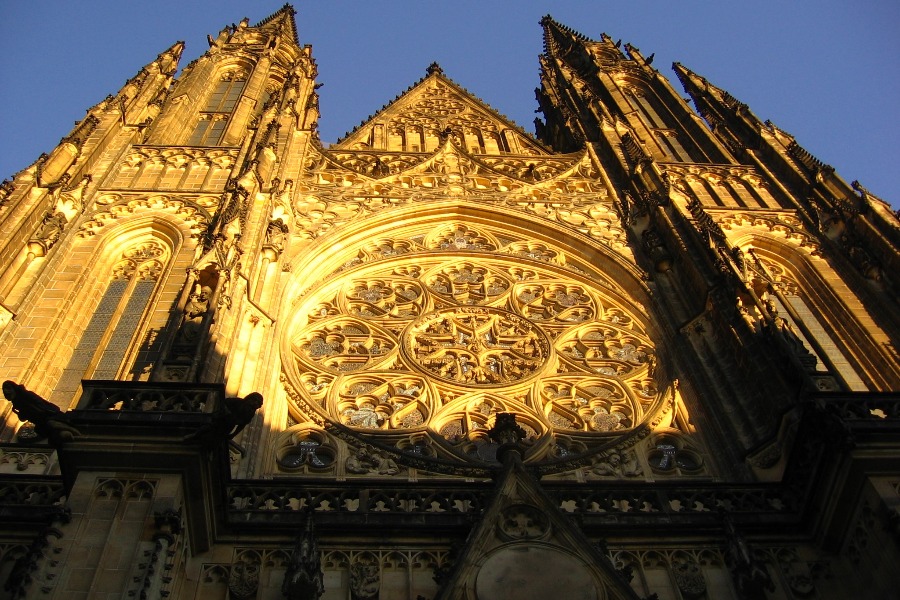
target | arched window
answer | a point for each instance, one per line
(213, 119)
(801, 322)
(116, 320)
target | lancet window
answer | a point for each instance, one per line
(214, 117)
(802, 328)
(664, 127)
(116, 320)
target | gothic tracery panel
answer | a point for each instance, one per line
(435, 333)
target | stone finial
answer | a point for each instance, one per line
(434, 68)
(506, 430)
(304, 578)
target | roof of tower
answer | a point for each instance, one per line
(553, 30)
(434, 73)
(564, 43)
(285, 13)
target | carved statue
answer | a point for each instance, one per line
(196, 307)
(303, 579)
(202, 285)
(379, 168)
(275, 235)
(355, 463)
(656, 249)
(794, 342)
(619, 465)
(51, 229)
(746, 316)
(385, 464)
(235, 415)
(749, 575)
(367, 461)
(49, 421)
(365, 581)
(198, 302)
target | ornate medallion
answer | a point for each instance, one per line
(476, 346)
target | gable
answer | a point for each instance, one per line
(523, 542)
(430, 111)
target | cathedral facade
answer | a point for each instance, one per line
(650, 351)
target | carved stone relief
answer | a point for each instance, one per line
(523, 522)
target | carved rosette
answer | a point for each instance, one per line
(476, 346)
(435, 335)
(523, 522)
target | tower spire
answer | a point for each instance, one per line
(283, 17)
(816, 191)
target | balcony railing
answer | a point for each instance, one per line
(150, 397)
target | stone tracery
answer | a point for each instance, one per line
(436, 332)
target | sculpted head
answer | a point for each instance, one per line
(10, 389)
(255, 400)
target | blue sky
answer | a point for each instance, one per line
(826, 71)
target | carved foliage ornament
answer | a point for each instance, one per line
(523, 522)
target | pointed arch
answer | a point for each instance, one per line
(813, 295)
(218, 106)
(123, 283)
(105, 305)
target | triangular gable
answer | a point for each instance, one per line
(524, 547)
(420, 120)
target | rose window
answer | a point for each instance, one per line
(431, 344)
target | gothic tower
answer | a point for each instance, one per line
(647, 351)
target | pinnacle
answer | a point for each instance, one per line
(287, 9)
(434, 68)
(547, 21)
(557, 35)
(175, 50)
(686, 76)
(287, 13)
(695, 84)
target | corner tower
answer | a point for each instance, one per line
(716, 211)
(167, 176)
